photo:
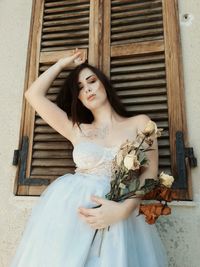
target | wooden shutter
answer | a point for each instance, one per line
(57, 27)
(136, 43)
(141, 55)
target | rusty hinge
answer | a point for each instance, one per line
(182, 153)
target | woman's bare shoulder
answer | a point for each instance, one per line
(140, 120)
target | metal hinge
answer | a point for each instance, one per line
(20, 157)
(182, 153)
(16, 157)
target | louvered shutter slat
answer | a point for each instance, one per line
(52, 162)
(65, 22)
(142, 92)
(54, 145)
(48, 137)
(54, 171)
(52, 154)
(136, 20)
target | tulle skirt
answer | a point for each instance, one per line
(55, 236)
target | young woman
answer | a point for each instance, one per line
(62, 224)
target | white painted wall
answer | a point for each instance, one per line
(179, 231)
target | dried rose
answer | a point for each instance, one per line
(126, 145)
(166, 194)
(154, 194)
(128, 161)
(119, 157)
(153, 211)
(158, 133)
(136, 164)
(131, 162)
(166, 179)
(151, 129)
(149, 141)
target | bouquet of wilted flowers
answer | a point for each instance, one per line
(126, 170)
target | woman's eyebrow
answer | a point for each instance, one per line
(87, 78)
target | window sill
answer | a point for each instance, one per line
(184, 203)
(32, 199)
(178, 203)
(29, 200)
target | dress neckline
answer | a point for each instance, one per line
(96, 144)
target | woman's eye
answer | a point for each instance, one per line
(92, 81)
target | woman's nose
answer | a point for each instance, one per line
(87, 89)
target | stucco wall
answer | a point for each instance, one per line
(179, 231)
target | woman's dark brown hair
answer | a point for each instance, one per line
(67, 98)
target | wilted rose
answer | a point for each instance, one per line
(128, 161)
(126, 144)
(158, 133)
(152, 128)
(166, 179)
(149, 141)
(131, 162)
(153, 211)
(136, 164)
(119, 157)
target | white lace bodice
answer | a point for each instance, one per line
(92, 158)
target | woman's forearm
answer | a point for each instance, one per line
(129, 205)
(41, 85)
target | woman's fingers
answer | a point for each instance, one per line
(88, 219)
(76, 55)
(79, 56)
(93, 217)
(92, 221)
(76, 52)
(74, 58)
(88, 212)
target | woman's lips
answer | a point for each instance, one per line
(91, 97)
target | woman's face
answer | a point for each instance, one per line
(89, 85)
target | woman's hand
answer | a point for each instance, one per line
(77, 58)
(110, 212)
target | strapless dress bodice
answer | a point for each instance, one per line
(93, 158)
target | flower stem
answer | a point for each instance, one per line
(140, 145)
(102, 234)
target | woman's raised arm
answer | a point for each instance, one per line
(50, 112)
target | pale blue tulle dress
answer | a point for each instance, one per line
(55, 236)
